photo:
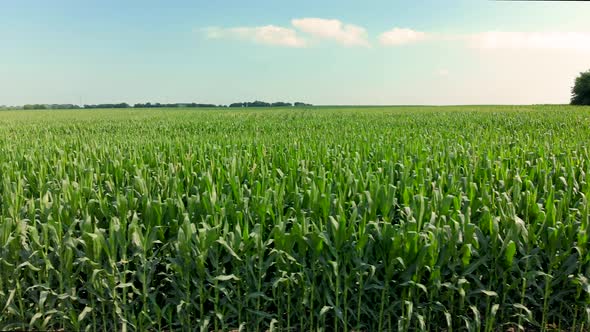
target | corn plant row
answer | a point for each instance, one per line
(320, 219)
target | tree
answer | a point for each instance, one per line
(281, 104)
(257, 103)
(300, 104)
(581, 90)
(35, 107)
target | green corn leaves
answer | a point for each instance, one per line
(321, 219)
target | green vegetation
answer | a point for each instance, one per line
(581, 89)
(298, 219)
(256, 103)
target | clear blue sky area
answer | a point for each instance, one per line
(322, 52)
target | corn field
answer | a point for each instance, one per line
(317, 219)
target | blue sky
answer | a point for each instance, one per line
(323, 52)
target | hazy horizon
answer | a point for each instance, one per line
(382, 53)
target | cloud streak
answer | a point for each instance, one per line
(331, 29)
(268, 35)
(402, 36)
(493, 40)
(299, 35)
(571, 41)
(308, 31)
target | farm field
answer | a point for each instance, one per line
(471, 218)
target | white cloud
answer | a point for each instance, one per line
(345, 34)
(490, 40)
(268, 34)
(531, 40)
(352, 35)
(401, 36)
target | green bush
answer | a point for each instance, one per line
(581, 90)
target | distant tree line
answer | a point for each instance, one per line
(50, 106)
(259, 103)
(256, 103)
(156, 105)
(299, 104)
(120, 105)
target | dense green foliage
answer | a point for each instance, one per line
(472, 218)
(155, 105)
(581, 89)
(183, 105)
(50, 106)
(259, 103)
